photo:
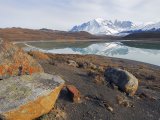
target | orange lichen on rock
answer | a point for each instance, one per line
(33, 70)
(74, 92)
(33, 95)
(1, 70)
(36, 108)
(39, 55)
(14, 61)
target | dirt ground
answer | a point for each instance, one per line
(100, 100)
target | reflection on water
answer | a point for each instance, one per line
(106, 49)
(145, 45)
(112, 49)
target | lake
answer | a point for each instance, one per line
(140, 51)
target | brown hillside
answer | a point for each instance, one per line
(21, 34)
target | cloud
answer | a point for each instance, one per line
(63, 14)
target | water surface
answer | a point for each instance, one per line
(140, 51)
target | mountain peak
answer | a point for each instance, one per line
(99, 20)
(108, 27)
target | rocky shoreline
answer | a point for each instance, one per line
(96, 87)
(101, 100)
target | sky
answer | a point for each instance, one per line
(64, 14)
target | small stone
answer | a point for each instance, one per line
(110, 109)
(72, 63)
(87, 98)
(82, 65)
(124, 101)
(144, 95)
(92, 66)
(100, 69)
(99, 79)
(15, 62)
(74, 92)
(107, 105)
(91, 73)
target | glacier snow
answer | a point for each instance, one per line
(101, 26)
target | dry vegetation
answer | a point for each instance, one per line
(21, 34)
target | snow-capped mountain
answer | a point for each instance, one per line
(101, 26)
(153, 26)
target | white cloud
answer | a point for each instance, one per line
(63, 14)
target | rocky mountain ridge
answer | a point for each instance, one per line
(101, 26)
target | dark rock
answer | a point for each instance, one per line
(123, 79)
(150, 77)
(92, 73)
(83, 65)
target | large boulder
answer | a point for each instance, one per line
(14, 61)
(29, 96)
(123, 79)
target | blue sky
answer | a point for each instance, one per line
(63, 14)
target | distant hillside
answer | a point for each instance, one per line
(21, 34)
(144, 35)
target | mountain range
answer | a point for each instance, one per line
(101, 26)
